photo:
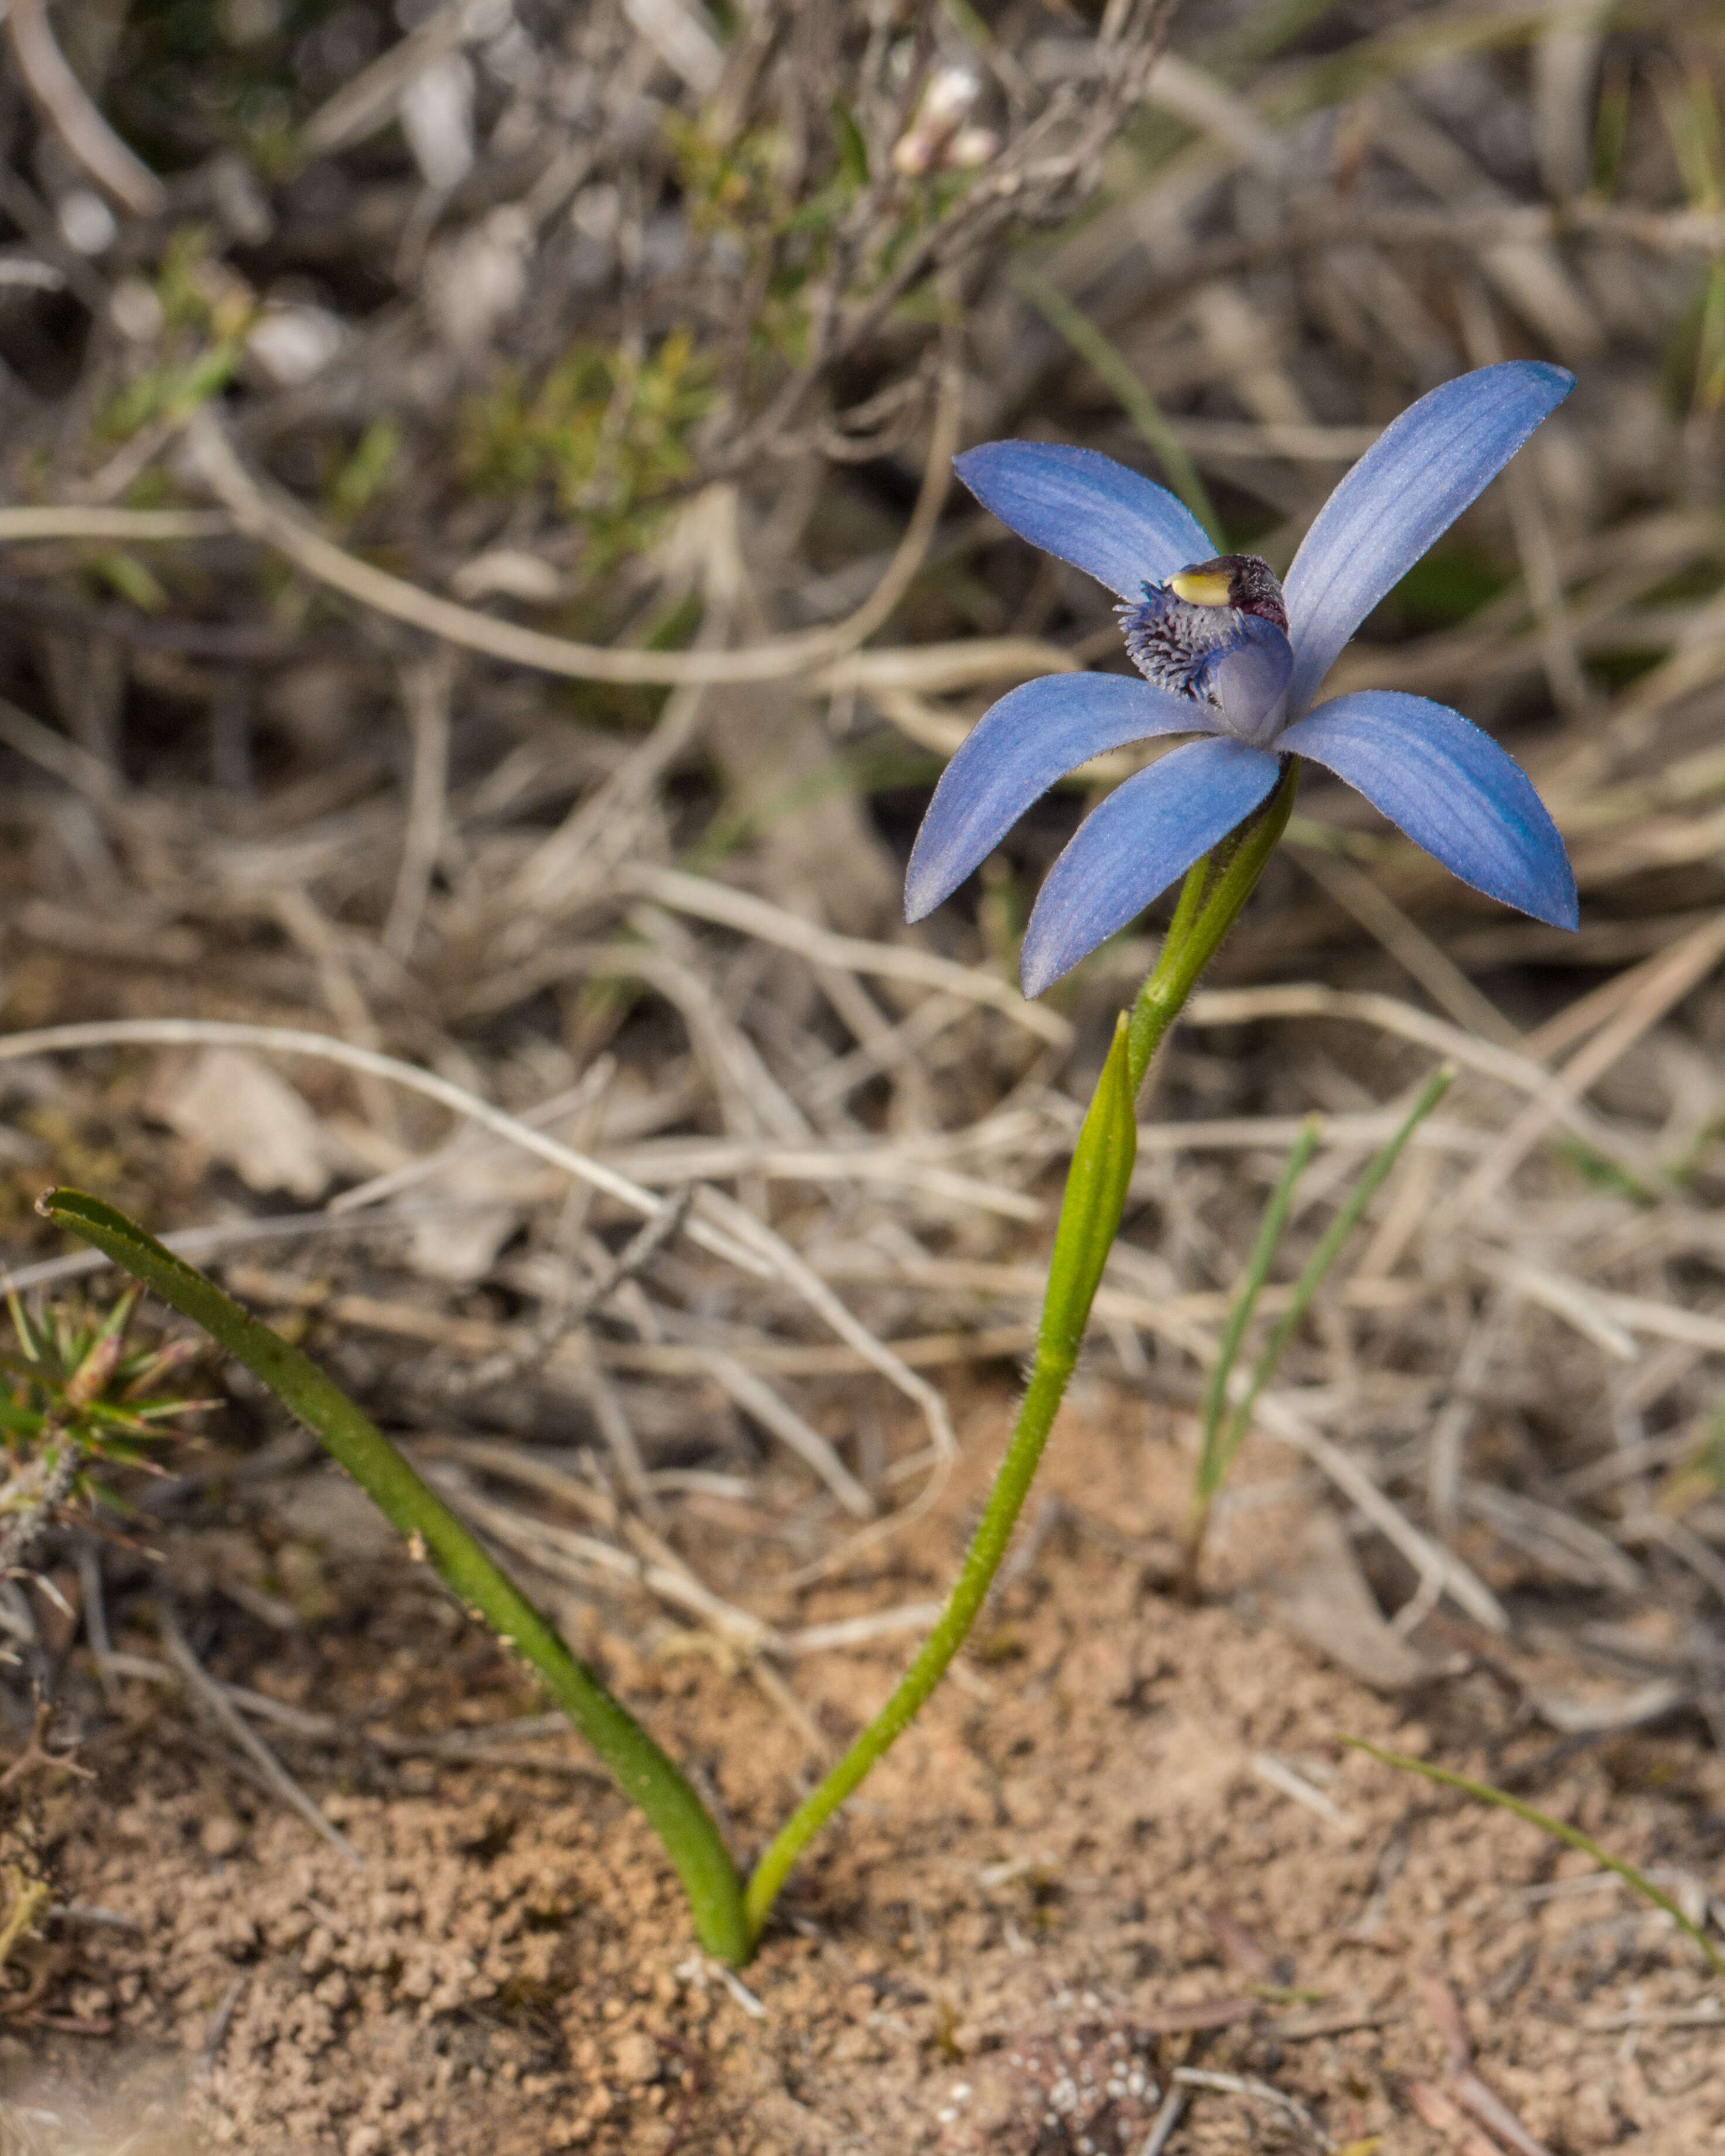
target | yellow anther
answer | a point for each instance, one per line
(1200, 588)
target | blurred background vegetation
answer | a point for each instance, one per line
(425, 432)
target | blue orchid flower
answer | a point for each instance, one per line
(1229, 655)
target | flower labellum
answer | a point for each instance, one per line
(1217, 631)
(1230, 655)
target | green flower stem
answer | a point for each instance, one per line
(1090, 1213)
(1209, 903)
(1211, 899)
(647, 1775)
(729, 1918)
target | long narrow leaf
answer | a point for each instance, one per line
(1096, 1197)
(1483, 1792)
(646, 1774)
(1211, 1465)
(1140, 407)
(1329, 1249)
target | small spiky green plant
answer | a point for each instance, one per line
(75, 1397)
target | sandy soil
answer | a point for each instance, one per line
(1081, 1874)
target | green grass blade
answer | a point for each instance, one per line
(1483, 1792)
(1105, 360)
(1271, 1230)
(1317, 1266)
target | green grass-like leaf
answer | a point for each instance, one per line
(1222, 1440)
(1096, 1197)
(645, 1772)
(1483, 1792)
(1214, 1459)
(1105, 360)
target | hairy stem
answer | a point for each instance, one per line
(1089, 1213)
(1211, 899)
(1210, 902)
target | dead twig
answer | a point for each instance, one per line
(210, 1695)
(63, 101)
(257, 512)
(1470, 2091)
(426, 692)
(36, 1759)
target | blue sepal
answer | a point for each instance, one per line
(1104, 518)
(1451, 789)
(1407, 489)
(1130, 847)
(1015, 753)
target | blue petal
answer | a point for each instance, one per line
(1015, 752)
(1451, 789)
(1147, 832)
(1410, 486)
(1119, 526)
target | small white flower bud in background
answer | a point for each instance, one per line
(86, 222)
(292, 343)
(969, 147)
(134, 310)
(951, 93)
(944, 105)
(436, 113)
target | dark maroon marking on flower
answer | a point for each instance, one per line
(1253, 586)
(1176, 644)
